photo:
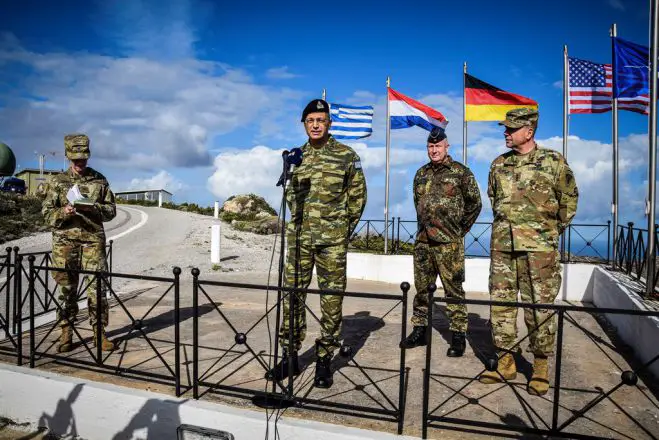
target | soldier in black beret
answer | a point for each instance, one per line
(326, 197)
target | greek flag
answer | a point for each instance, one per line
(350, 122)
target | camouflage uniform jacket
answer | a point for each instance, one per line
(84, 225)
(326, 194)
(447, 201)
(534, 198)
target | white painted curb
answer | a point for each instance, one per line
(101, 411)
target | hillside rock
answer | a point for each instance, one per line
(246, 207)
(250, 212)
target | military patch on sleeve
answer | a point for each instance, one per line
(357, 164)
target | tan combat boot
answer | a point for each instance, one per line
(506, 368)
(106, 344)
(65, 339)
(539, 383)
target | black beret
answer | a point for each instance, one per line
(315, 106)
(436, 135)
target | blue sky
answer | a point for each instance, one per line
(201, 97)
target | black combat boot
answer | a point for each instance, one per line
(416, 339)
(280, 371)
(458, 345)
(323, 377)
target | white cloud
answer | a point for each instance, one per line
(138, 112)
(280, 73)
(161, 180)
(247, 171)
(591, 162)
(257, 170)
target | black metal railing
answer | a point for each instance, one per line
(44, 288)
(139, 331)
(234, 361)
(631, 253)
(584, 242)
(232, 349)
(462, 400)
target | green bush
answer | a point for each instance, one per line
(376, 245)
(20, 216)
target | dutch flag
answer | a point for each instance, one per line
(405, 112)
(350, 122)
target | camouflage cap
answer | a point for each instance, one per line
(520, 117)
(76, 146)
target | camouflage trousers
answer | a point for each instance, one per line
(72, 255)
(448, 261)
(330, 262)
(537, 276)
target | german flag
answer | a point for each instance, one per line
(484, 102)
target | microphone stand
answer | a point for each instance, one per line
(281, 401)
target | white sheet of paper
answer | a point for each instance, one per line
(74, 194)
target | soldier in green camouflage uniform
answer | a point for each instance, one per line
(534, 197)
(79, 237)
(447, 201)
(326, 197)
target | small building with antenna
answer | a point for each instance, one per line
(35, 179)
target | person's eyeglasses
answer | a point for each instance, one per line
(320, 121)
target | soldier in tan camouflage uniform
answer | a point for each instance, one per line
(326, 196)
(79, 237)
(447, 201)
(534, 198)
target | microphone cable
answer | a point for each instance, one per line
(280, 223)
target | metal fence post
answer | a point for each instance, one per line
(177, 335)
(31, 277)
(557, 372)
(195, 333)
(426, 376)
(569, 242)
(110, 258)
(608, 242)
(630, 243)
(405, 287)
(8, 268)
(368, 228)
(17, 289)
(18, 305)
(98, 339)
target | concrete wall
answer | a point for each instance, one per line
(99, 411)
(399, 268)
(639, 332)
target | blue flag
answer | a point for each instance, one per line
(631, 77)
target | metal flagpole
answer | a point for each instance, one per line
(652, 144)
(614, 141)
(386, 183)
(566, 109)
(566, 121)
(464, 114)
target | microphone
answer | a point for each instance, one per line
(293, 157)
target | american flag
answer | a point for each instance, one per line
(590, 90)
